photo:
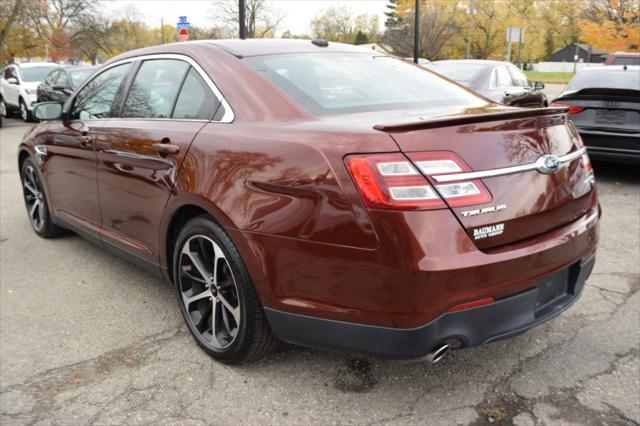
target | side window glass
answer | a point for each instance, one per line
(51, 78)
(196, 101)
(519, 79)
(502, 78)
(95, 100)
(154, 89)
(9, 72)
(61, 80)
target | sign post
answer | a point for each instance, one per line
(183, 26)
(514, 34)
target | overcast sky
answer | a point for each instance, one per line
(298, 13)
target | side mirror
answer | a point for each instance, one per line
(48, 111)
(12, 80)
(60, 88)
(538, 85)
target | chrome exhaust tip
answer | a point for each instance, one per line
(438, 353)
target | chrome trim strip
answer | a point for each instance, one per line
(505, 170)
(228, 116)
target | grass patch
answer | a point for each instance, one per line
(550, 77)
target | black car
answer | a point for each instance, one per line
(501, 82)
(604, 104)
(61, 83)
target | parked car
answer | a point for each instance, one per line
(623, 58)
(604, 104)
(502, 82)
(19, 84)
(321, 193)
(61, 83)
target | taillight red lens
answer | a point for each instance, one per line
(457, 194)
(573, 109)
(390, 181)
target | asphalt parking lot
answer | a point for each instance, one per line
(87, 338)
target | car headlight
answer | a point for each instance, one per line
(31, 91)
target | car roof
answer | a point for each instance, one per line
(611, 68)
(258, 47)
(79, 68)
(473, 61)
(36, 64)
(632, 54)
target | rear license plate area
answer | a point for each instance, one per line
(552, 289)
(610, 116)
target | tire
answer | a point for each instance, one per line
(3, 108)
(36, 202)
(212, 282)
(25, 114)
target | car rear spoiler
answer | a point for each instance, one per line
(454, 120)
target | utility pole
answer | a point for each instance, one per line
(471, 12)
(416, 33)
(242, 12)
(162, 29)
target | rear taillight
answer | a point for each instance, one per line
(391, 181)
(458, 194)
(573, 109)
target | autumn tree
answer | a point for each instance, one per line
(439, 25)
(612, 25)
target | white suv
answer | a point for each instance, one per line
(18, 86)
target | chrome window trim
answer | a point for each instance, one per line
(228, 116)
(455, 177)
(194, 120)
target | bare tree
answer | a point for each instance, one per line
(261, 20)
(438, 26)
(91, 37)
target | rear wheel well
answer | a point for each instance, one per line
(180, 217)
(21, 157)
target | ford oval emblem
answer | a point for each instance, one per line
(548, 164)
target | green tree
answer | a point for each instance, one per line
(549, 46)
(361, 38)
(393, 20)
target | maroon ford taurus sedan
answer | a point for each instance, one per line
(322, 194)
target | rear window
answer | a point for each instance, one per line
(335, 83)
(463, 73)
(606, 78)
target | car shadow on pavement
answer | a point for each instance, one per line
(616, 172)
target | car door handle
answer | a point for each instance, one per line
(166, 148)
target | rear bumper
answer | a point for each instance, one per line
(499, 320)
(612, 146)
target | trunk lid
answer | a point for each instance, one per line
(523, 203)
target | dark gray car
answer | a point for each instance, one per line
(501, 82)
(61, 83)
(604, 104)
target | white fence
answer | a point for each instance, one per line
(562, 66)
